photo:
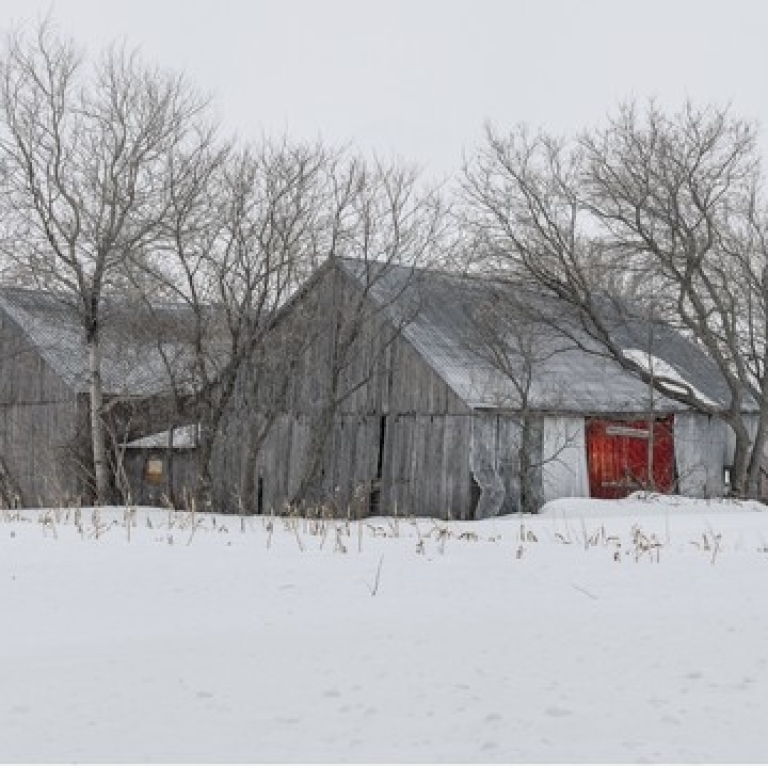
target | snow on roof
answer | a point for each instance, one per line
(183, 437)
(568, 378)
(672, 378)
(134, 362)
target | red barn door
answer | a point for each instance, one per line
(621, 458)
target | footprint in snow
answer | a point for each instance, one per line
(558, 712)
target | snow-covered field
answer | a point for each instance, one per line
(598, 631)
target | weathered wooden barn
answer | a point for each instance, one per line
(44, 384)
(394, 405)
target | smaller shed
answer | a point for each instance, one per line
(161, 468)
(45, 454)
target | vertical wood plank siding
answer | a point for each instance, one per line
(38, 421)
(424, 467)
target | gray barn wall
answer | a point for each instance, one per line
(424, 467)
(487, 471)
(38, 419)
(704, 446)
(179, 476)
(495, 462)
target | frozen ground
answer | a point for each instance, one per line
(625, 632)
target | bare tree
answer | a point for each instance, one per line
(85, 153)
(380, 216)
(243, 234)
(513, 336)
(655, 215)
(679, 197)
(249, 227)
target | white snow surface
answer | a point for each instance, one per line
(627, 631)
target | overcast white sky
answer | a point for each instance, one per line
(418, 78)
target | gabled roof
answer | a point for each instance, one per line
(566, 378)
(135, 358)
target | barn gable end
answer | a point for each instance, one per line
(396, 419)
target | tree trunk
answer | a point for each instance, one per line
(321, 431)
(650, 479)
(756, 458)
(739, 474)
(169, 468)
(247, 482)
(322, 428)
(528, 495)
(98, 438)
(204, 489)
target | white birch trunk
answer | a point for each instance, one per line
(97, 427)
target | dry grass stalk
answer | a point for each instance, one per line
(375, 588)
(298, 537)
(420, 547)
(99, 527)
(644, 544)
(339, 547)
(49, 523)
(715, 549)
(192, 529)
(326, 527)
(442, 535)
